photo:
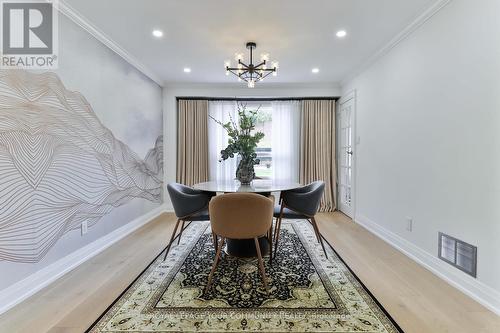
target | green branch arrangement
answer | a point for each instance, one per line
(242, 141)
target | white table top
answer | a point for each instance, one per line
(257, 186)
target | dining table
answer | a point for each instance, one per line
(245, 248)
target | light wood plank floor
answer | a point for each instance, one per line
(417, 300)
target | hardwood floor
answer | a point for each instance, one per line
(418, 300)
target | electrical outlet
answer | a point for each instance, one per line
(409, 224)
(85, 227)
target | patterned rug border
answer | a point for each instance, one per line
(358, 280)
(362, 285)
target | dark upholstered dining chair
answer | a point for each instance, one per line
(189, 205)
(300, 203)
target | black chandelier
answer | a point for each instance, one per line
(251, 73)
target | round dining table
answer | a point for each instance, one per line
(245, 247)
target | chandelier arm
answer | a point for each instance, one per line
(238, 69)
(261, 64)
(242, 63)
(267, 74)
(235, 74)
(268, 70)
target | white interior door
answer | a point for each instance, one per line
(345, 156)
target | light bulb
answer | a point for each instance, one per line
(264, 57)
(157, 33)
(264, 66)
(275, 73)
(227, 63)
(251, 84)
(239, 79)
(227, 73)
(341, 34)
(275, 64)
(238, 56)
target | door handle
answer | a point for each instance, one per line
(349, 152)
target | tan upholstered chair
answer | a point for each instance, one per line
(241, 216)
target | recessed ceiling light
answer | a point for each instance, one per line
(341, 33)
(187, 70)
(157, 33)
(315, 70)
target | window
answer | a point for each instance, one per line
(279, 149)
(264, 149)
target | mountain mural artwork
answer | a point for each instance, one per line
(60, 166)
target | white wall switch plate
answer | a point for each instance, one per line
(85, 227)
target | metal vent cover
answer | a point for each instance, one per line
(458, 253)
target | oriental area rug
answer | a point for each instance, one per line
(308, 292)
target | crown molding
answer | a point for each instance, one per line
(85, 24)
(240, 86)
(432, 10)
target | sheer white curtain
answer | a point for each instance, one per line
(218, 138)
(286, 140)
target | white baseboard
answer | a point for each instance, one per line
(29, 286)
(477, 290)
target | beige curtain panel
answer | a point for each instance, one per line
(192, 141)
(317, 149)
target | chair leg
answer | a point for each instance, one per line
(216, 261)
(275, 233)
(171, 239)
(261, 263)
(276, 238)
(214, 240)
(270, 239)
(316, 229)
(278, 227)
(180, 232)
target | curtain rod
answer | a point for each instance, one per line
(257, 99)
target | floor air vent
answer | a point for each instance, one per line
(458, 253)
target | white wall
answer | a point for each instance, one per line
(127, 103)
(170, 93)
(428, 116)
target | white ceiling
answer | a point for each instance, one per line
(300, 34)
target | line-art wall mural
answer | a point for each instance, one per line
(60, 166)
